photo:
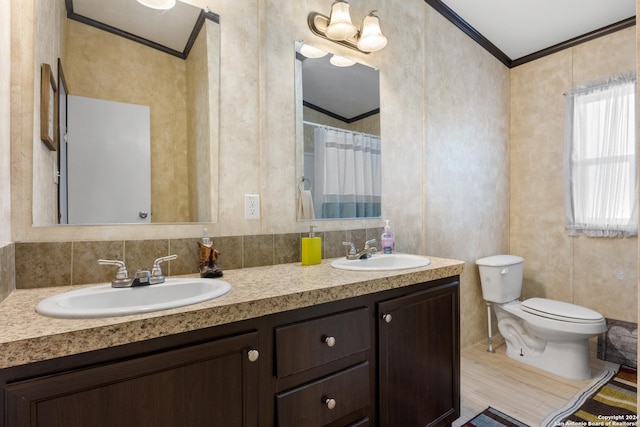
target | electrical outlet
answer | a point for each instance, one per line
(251, 206)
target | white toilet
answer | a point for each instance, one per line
(550, 335)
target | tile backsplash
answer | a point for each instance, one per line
(7, 271)
(44, 264)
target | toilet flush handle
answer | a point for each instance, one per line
(504, 271)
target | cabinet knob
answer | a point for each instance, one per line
(253, 355)
(387, 317)
(331, 403)
(330, 341)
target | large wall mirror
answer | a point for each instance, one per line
(337, 136)
(140, 132)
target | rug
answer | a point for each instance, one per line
(611, 401)
(491, 417)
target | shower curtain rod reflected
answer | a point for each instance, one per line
(306, 122)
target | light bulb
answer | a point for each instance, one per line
(371, 38)
(340, 26)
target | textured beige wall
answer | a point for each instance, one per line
(596, 273)
(465, 160)
(199, 142)
(5, 120)
(48, 48)
(7, 257)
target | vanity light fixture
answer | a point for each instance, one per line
(158, 4)
(338, 28)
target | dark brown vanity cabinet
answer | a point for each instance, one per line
(329, 354)
(210, 384)
(385, 359)
(419, 358)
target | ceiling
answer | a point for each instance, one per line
(168, 30)
(517, 31)
(345, 93)
(514, 31)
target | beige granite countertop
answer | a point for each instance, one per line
(26, 336)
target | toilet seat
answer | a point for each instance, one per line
(559, 310)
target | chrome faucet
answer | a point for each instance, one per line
(368, 250)
(141, 278)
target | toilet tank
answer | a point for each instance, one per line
(501, 277)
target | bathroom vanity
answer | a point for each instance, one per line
(320, 347)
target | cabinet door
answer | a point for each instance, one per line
(202, 385)
(419, 354)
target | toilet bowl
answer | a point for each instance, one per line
(548, 334)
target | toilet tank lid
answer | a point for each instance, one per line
(499, 260)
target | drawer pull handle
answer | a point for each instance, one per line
(253, 355)
(331, 403)
(387, 317)
(330, 341)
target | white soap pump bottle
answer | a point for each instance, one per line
(387, 240)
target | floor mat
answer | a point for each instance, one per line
(491, 417)
(609, 402)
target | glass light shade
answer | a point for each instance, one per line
(340, 26)
(341, 61)
(371, 38)
(312, 52)
(158, 4)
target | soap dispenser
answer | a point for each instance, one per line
(387, 240)
(311, 248)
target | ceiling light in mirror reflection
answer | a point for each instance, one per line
(158, 4)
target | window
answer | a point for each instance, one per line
(601, 194)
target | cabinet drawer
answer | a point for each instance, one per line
(324, 401)
(304, 345)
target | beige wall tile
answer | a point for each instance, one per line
(257, 250)
(7, 270)
(43, 264)
(188, 254)
(85, 261)
(286, 248)
(140, 254)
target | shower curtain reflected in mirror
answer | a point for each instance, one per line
(347, 181)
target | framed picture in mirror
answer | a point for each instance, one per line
(48, 107)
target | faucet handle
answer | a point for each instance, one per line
(368, 243)
(353, 250)
(122, 272)
(156, 271)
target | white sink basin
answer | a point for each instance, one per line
(381, 262)
(105, 301)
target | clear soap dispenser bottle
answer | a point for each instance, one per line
(311, 248)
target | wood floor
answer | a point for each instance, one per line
(517, 389)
